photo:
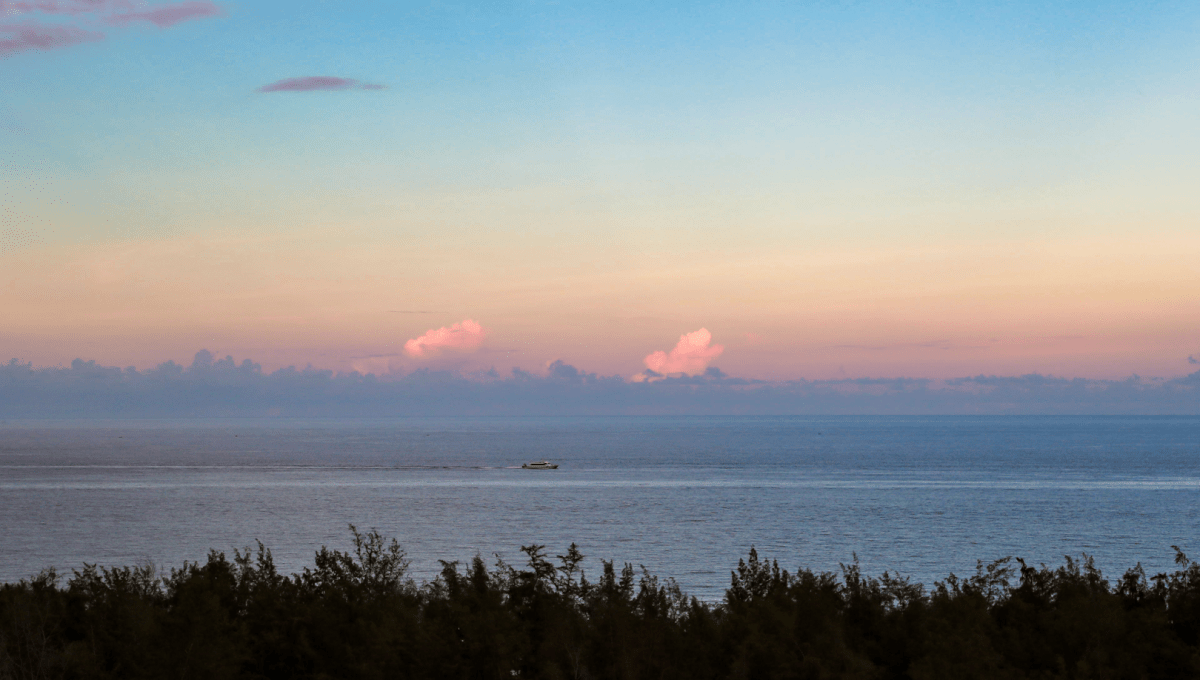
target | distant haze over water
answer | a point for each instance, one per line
(686, 496)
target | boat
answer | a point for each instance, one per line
(540, 465)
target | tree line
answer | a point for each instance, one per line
(357, 614)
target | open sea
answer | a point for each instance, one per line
(684, 496)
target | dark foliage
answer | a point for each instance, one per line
(358, 615)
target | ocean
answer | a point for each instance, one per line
(684, 496)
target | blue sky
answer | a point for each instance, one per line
(590, 181)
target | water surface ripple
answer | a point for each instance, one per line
(683, 496)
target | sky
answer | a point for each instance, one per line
(782, 191)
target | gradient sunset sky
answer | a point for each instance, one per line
(824, 189)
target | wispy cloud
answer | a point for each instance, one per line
(314, 83)
(376, 364)
(35, 36)
(67, 7)
(690, 355)
(1193, 360)
(165, 16)
(31, 34)
(465, 335)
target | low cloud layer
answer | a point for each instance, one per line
(74, 20)
(691, 355)
(317, 83)
(465, 335)
(226, 387)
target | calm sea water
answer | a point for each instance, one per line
(686, 497)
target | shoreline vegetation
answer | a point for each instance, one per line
(357, 614)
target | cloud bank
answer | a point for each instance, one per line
(315, 83)
(33, 34)
(464, 335)
(691, 355)
(225, 387)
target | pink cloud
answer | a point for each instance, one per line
(33, 36)
(165, 16)
(466, 335)
(68, 7)
(691, 355)
(311, 83)
(37, 36)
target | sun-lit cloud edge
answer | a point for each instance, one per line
(690, 356)
(465, 336)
